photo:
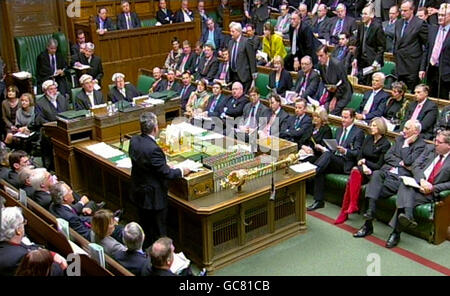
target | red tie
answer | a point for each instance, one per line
(436, 170)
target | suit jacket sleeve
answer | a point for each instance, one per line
(410, 155)
(251, 57)
(158, 161)
(353, 152)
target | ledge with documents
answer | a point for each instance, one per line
(211, 220)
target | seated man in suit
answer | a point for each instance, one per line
(162, 256)
(374, 101)
(94, 62)
(236, 103)
(127, 19)
(255, 115)
(397, 163)
(308, 79)
(209, 65)
(184, 15)
(172, 84)
(341, 23)
(432, 172)
(81, 38)
(88, 97)
(212, 35)
(223, 74)
(335, 79)
(160, 83)
(41, 181)
(299, 127)
(121, 91)
(424, 110)
(186, 90)
(341, 50)
(350, 139)
(17, 161)
(164, 16)
(103, 22)
(187, 59)
(320, 23)
(277, 119)
(50, 65)
(216, 103)
(134, 258)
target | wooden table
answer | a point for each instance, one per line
(217, 229)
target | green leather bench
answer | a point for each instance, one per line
(149, 22)
(29, 47)
(433, 218)
(212, 15)
(356, 101)
(144, 83)
(261, 82)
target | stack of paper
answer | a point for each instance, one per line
(22, 75)
(179, 263)
(124, 163)
(189, 164)
(303, 167)
(154, 101)
(104, 150)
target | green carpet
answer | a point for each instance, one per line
(331, 251)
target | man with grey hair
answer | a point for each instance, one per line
(162, 256)
(341, 23)
(134, 258)
(242, 59)
(13, 247)
(397, 163)
(149, 176)
(50, 64)
(374, 101)
(94, 62)
(41, 181)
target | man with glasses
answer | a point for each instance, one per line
(308, 79)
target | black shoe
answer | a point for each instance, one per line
(118, 214)
(393, 240)
(100, 205)
(363, 231)
(406, 222)
(368, 216)
(317, 204)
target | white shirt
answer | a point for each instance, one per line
(369, 103)
(187, 18)
(91, 98)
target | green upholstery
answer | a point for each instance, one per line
(273, 22)
(236, 12)
(149, 22)
(288, 49)
(262, 81)
(356, 100)
(388, 68)
(75, 92)
(212, 15)
(144, 83)
(333, 130)
(29, 47)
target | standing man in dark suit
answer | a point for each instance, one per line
(436, 60)
(103, 22)
(88, 97)
(335, 77)
(411, 35)
(252, 38)
(50, 65)
(389, 27)
(424, 110)
(243, 60)
(342, 23)
(432, 172)
(149, 175)
(94, 62)
(371, 42)
(164, 16)
(350, 139)
(299, 127)
(374, 101)
(302, 40)
(127, 19)
(397, 163)
(209, 65)
(121, 91)
(46, 110)
(308, 79)
(386, 8)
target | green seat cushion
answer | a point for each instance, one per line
(149, 22)
(273, 22)
(212, 15)
(333, 130)
(75, 92)
(388, 68)
(236, 12)
(356, 100)
(337, 180)
(262, 81)
(144, 83)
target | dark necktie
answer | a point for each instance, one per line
(233, 56)
(344, 137)
(297, 123)
(366, 30)
(183, 91)
(405, 25)
(53, 63)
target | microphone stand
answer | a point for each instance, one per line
(120, 125)
(272, 186)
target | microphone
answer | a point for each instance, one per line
(120, 125)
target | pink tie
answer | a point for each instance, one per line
(184, 62)
(437, 47)
(416, 112)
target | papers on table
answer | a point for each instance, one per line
(331, 144)
(22, 75)
(303, 167)
(154, 101)
(124, 163)
(189, 164)
(408, 181)
(104, 150)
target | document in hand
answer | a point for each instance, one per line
(411, 182)
(331, 144)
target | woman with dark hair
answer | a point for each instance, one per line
(280, 79)
(397, 105)
(174, 55)
(24, 118)
(198, 100)
(36, 263)
(370, 159)
(10, 107)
